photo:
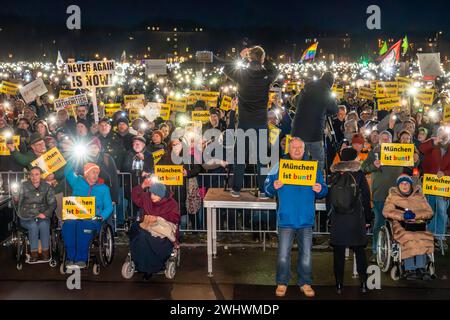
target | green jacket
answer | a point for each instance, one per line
(25, 159)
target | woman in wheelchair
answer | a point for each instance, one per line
(153, 238)
(408, 209)
(36, 205)
(78, 234)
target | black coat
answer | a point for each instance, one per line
(112, 145)
(349, 229)
(313, 104)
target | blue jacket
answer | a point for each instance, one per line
(296, 204)
(80, 188)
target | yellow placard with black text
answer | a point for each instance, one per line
(386, 89)
(300, 173)
(202, 116)
(389, 103)
(435, 186)
(49, 162)
(169, 175)
(225, 104)
(75, 208)
(164, 111)
(157, 155)
(397, 154)
(4, 150)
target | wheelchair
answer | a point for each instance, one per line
(21, 244)
(101, 249)
(389, 254)
(172, 263)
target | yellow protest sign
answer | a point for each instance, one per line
(389, 103)
(274, 133)
(225, 104)
(157, 155)
(403, 84)
(447, 114)
(7, 87)
(288, 139)
(386, 89)
(111, 108)
(164, 112)
(339, 92)
(299, 173)
(75, 208)
(397, 154)
(4, 151)
(425, 96)
(170, 175)
(365, 93)
(49, 162)
(66, 94)
(202, 116)
(177, 105)
(134, 113)
(435, 186)
(134, 101)
(210, 97)
(373, 85)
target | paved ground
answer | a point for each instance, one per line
(239, 273)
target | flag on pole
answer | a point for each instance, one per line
(310, 53)
(384, 48)
(405, 45)
(59, 61)
(391, 57)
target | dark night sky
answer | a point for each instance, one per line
(343, 15)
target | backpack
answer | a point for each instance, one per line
(344, 192)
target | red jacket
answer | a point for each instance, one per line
(433, 160)
(167, 208)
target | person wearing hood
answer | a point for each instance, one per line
(406, 206)
(314, 103)
(295, 220)
(78, 234)
(349, 229)
(154, 236)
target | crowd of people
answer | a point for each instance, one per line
(344, 134)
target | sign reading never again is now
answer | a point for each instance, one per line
(78, 208)
(300, 173)
(170, 175)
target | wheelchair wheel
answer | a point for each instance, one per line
(62, 266)
(395, 272)
(384, 249)
(53, 263)
(20, 251)
(128, 270)
(171, 267)
(106, 245)
(96, 269)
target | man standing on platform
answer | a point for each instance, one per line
(253, 95)
(295, 214)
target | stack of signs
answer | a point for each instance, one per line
(4, 150)
(91, 74)
(210, 97)
(155, 67)
(9, 88)
(49, 162)
(71, 102)
(134, 103)
(32, 90)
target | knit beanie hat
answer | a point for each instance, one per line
(405, 178)
(89, 166)
(158, 189)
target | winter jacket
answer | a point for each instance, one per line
(413, 243)
(34, 201)
(80, 188)
(349, 229)
(312, 105)
(296, 204)
(128, 165)
(113, 146)
(253, 90)
(433, 160)
(127, 140)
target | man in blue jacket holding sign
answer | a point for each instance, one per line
(296, 211)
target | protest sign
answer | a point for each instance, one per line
(288, 139)
(32, 90)
(75, 208)
(366, 93)
(66, 94)
(49, 162)
(225, 104)
(134, 101)
(111, 108)
(274, 133)
(425, 96)
(74, 101)
(4, 150)
(210, 97)
(164, 111)
(435, 186)
(403, 84)
(157, 155)
(430, 65)
(300, 173)
(155, 67)
(202, 116)
(446, 117)
(91, 74)
(339, 92)
(170, 175)
(386, 89)
(9, 88)
(177, 105)
(397, 155)
(389, 103)
(204, 56)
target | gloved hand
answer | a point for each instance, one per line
(409, 215)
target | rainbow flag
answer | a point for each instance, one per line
(310, 53)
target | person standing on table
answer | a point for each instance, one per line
(296, 211)
(253, 96)
(313, 104)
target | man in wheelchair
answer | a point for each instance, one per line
(78, 234)
(152, 239)
(408, 209)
